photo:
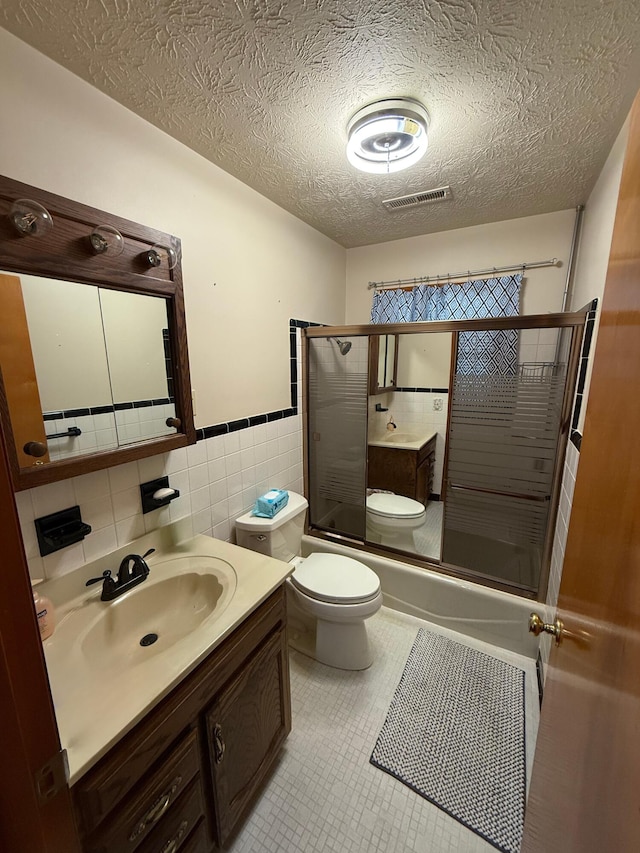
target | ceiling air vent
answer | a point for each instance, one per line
(426, 197)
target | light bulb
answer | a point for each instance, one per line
(30, 218)
(107, 240)
(158, 255)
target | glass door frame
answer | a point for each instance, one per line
(575, 320)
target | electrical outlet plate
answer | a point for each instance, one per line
(437, 404)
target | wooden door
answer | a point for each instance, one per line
(585, 791)
(27, 721)
(19, 372)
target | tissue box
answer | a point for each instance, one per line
(270, 503)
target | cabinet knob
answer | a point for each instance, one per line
(218, 743)
(35, 448)
(173, 422)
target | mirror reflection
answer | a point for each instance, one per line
(456, 464)
(76, 387)
(406, 442)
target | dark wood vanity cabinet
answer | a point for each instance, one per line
(183, 778)
(405, 472)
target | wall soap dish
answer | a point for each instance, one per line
(60, 529)
(157, 493)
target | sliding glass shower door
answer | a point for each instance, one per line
(503, 439)
(337, 438)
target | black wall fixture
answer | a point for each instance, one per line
(60, 529)
(157, 493)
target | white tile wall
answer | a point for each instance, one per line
(572, 459)
(218, 480)
(108, 430)
(538, 345)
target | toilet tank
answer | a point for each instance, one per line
(280, 536)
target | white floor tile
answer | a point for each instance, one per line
(324, 794)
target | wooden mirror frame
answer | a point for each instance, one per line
(374, 352)
(65, 253)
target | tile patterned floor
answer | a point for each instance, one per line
(428, 538)
(324, 795)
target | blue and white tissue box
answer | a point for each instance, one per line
(270, 503)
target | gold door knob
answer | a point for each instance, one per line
(538, 626)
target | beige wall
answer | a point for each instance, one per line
(497, 244)
(69, 355)
(595, 242)
(133, 325)
(424, 361)
(248, 265)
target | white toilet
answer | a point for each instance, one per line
(393, 519)
(328, 596)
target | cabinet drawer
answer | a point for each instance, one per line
(172, 833)
(144, 808)
(198, 841)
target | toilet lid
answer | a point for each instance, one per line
(337, 579)
(394, 506)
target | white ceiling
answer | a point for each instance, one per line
(525, 96)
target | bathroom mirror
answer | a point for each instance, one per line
(459, 466)
(93, 352)
(383, 363)
(406, 435)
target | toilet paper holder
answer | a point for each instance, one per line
(157, 493)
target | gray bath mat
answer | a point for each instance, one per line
(455, 734)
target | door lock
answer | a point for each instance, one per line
(538, 626)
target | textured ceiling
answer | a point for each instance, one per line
(525, 96)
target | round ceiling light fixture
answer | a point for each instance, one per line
(388, 135)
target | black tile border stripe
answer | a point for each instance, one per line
(105, 410)
(422, 390)
(587, 340)
(540, 674)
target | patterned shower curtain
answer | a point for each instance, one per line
(493, 353)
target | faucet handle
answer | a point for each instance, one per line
(106, 575)
(108, 584)
(146, 553)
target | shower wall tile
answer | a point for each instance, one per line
(572, 460)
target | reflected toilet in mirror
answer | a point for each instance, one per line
(406, 445)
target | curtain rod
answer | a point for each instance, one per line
(424, 279)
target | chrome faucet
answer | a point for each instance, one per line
(133, 570)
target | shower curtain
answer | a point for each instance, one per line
(493, 353)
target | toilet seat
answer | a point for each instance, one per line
(336, 579)
(394, 506)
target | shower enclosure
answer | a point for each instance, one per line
(501, 439)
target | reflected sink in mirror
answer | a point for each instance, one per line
(400, 438)
(180, 597)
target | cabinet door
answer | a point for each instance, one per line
(246, 727)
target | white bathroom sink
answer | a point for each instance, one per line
(153, 616)
(103, 681)
(179, 598)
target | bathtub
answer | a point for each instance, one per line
(487, 614)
